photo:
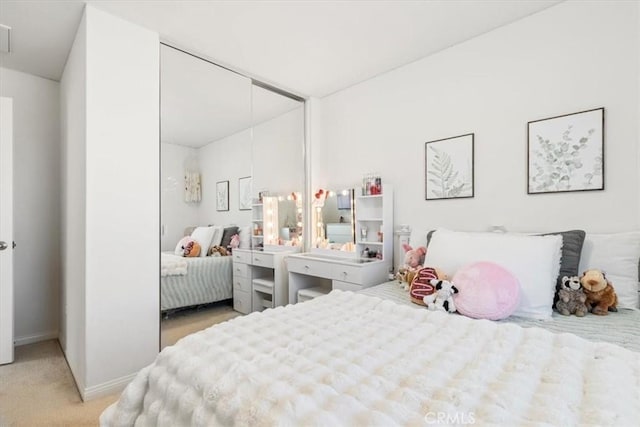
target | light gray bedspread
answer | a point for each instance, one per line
(208, 279)
(622, 328)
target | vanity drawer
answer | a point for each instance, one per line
(240, 270)
(241, 284)
(310, 267)
(345, 286)
(241, 256)
(261, 259)
(347, 273)
(242, 301)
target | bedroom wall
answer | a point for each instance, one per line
(121, 195)
(73, 127)
(571, 57)
(278, 153)
(224, 160)
(36, 204)
(176, 214)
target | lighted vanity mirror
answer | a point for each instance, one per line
(333, 216)
(278, 221)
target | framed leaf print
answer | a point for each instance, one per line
(566, 153)
(449, 168)
(244, 196)
(222, 196)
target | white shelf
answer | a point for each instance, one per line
(375, 214)
(256, 220)
(263, 285)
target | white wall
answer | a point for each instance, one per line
(568, 58)
(121, 289)
(123, 203)
(73, 93)
(227, 159)
(278, 159)
(36, 203)
(176, 214)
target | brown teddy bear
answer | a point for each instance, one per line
(217, 251)
(601, 297)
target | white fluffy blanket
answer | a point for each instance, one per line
(172, 265)
(354, 360)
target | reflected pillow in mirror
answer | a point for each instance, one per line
(204, 236)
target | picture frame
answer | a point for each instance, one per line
(244, 193)
(222, 196)
(449, 168)
(566, 153)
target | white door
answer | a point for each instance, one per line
(6, 230)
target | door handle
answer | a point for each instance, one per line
(3, 246)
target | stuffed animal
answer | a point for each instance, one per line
(217, 251)
(571, 298)
(413, 260)
(191, 249)
(601, 297)
(442, 299)
(235, 241)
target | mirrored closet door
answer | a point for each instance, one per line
(232, 172)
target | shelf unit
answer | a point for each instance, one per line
(257, 227)
(374, 224)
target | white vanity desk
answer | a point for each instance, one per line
(312, 270)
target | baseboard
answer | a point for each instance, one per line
(30, 339)
(107, 388)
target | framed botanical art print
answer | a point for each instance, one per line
(222, 196)
(566, 153)
(449, 168)
(244, 193)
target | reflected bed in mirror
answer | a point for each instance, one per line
(334, 215)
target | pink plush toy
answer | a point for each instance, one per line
(235, 241)
(414, 258)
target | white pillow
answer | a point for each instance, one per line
(617, 255)
(245, 237)
(217, 235)
(534, 260)
(203, 236)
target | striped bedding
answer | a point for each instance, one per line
(208, 279)
(621, 328)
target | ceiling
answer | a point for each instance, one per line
(212, 102)
(310, 48)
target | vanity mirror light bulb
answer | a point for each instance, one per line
(345, 192)
(270, 212)
(299, 224)
(299, 210)
(270, 225)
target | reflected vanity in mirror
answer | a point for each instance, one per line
(333, 216)
(232, 170)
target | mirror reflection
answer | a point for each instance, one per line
(232, 172)
(333, 216)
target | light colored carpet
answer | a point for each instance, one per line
(38, 389)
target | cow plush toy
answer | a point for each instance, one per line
(442, 299)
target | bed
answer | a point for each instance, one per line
(375, 358)
(203, 280)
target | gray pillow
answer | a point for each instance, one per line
(227, 235)
(572, 242)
